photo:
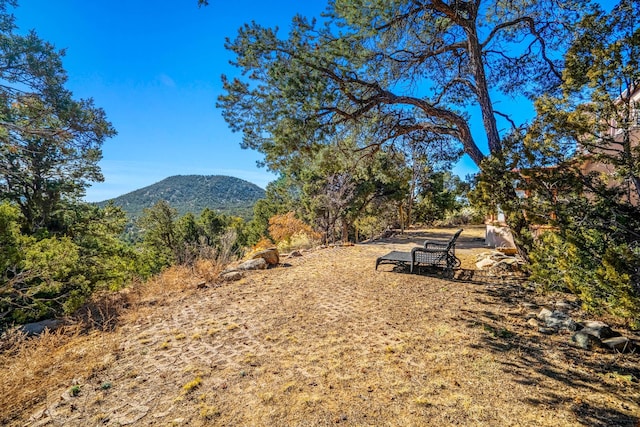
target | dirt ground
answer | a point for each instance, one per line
(327, 340)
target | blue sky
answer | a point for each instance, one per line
(155, 68)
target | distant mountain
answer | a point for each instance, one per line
(193, 193)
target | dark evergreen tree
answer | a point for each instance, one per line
(50, 143)
(578, 164)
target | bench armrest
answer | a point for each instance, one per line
(434, 250)
(435, 245)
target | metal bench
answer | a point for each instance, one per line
(396, 257)
(436, 254)
(432, 254)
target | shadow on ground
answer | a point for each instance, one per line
(553, 357)
(565, 375)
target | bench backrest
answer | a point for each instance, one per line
(451, 244)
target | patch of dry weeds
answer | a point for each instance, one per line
(33, 369)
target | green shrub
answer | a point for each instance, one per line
(548, 267)
(601, 272)
(370, 225)
(9, 238)
(53, 275)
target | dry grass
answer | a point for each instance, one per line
(325, 341)
(44, 370)
(55, 360)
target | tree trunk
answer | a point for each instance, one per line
(482, 89)
(345, 231)
(412, 189)
(519, 227)
(515, 219)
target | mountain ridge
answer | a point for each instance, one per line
(193, 193)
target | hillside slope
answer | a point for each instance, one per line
(193, 193)
(328, 340)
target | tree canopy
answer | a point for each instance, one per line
(579, 162)
(50, 143)
(397, 70)
(54, 249)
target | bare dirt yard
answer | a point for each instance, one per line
(324, 340)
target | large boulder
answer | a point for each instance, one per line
(270, 255)
(498, 262)
(38, 328)
(599, 329)
(586, 341)
(232, 276)
(253, 264)
(234, 272)
(557, 319)
(485, 263)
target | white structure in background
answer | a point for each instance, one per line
(498, 234)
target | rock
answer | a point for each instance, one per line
(494, 255)
(269, 255)
(498, 262)
(595, 324)
(485, 263)
(599, 330)
(483, 255)
(507, 264)
(560, 319)
(295, 254)
(253, 264)
(547, 331)
(544, 313)
(621, 344)
(561, 305)
(533, 323)
(529, 305)
(585, 340)
(39, 327)
(37, 415)
(232, 276)
(557, 319)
